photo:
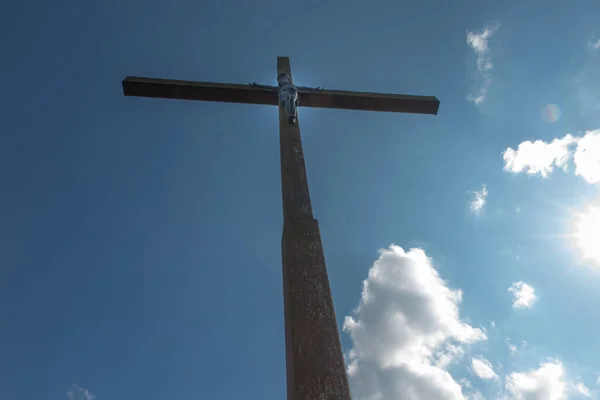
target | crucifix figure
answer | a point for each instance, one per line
(287, 93)
(314, 360)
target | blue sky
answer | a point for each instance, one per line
(140, 251)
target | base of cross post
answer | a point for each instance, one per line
(315, 364)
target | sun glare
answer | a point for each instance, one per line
(587, 234)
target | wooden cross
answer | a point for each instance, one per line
(315, 364)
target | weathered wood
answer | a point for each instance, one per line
(234, 93)
(315, 364)
(345, 100)
(190, 90)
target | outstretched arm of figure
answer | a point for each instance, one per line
(309, 89)
(256, 85)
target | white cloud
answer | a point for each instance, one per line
(479, 200)
(548, 382)
(482, 368)
(523, 295)
(406, 330)
(540, 158)
(78, 393)
(478, 41)
(545, 383)
(587, 157)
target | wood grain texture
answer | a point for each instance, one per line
(314, 359)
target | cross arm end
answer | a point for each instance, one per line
(193, 90)
(365, 101)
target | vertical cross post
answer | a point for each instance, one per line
(315, 364)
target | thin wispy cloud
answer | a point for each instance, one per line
(513, 349)
(479, 200)
(482, 368)
(541, 158)
(78, 393)
(478, 42)
(523, 295)
(586, 82)
(594, 42)
(582, 390)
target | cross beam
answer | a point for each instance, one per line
(314, 360)
(235, 93)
